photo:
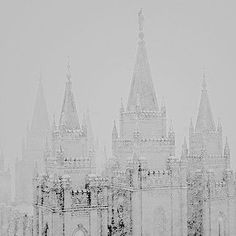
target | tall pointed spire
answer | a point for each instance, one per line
(40, 121)
(142, 83)
(205, 120)
(69, 117)
(114, 131)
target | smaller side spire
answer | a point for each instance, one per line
(205, 121)
(69, 119)
(114, 131)
(226, 149)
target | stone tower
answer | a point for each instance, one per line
(205, 138)
(71, 149)
(143, 120)
(211, 186)
(33, 149)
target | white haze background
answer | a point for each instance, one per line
(182, 36)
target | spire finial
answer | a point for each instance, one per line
(204, 84)
(68, 75)
(141, 22)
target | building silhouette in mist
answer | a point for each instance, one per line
(144, 188)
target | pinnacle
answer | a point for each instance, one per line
(205, 120)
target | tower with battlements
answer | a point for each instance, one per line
(69, 199)
(143, 121)
(211, 184)
(148, 184)
(70, 150)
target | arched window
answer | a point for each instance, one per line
(79, 233)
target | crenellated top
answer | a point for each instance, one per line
(136, 175)
(57, 193)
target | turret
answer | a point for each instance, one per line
(114, 132)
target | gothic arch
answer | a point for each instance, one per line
(159, 221)
(80, 230)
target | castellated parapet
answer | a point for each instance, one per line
(57, 193)
(137, 172)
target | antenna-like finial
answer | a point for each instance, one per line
(68, 75)
(141, 23)
(204, 84)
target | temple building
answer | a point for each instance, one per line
(144, 188)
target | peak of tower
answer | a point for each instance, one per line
(40, 121)
(69, 117)
(205, 121)
(114, 131)
(142, 84)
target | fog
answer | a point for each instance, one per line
(100, 37)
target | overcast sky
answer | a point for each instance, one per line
(182, 36)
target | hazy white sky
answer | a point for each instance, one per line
(182, 36)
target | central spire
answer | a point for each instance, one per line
(69, 117)
(142, 85)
